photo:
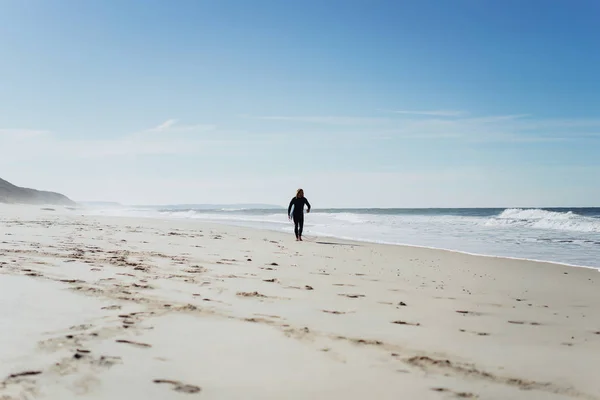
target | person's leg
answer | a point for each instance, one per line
(300, 227)
(296, 226)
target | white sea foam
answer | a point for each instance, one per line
(543, 219)
(350, 218)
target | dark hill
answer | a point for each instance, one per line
(10, 193)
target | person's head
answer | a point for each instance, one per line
(299, 193)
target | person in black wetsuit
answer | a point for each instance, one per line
(298, 215)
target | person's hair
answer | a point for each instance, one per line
(299, 191)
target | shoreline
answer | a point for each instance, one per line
(464, 252)
(253, 224)
(357, 241)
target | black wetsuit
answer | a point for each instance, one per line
(298, 215)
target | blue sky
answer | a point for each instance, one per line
(361, 103)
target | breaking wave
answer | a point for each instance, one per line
(544, 219)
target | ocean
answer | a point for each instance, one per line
(564, 235)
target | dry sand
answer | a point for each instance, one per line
(123, 308)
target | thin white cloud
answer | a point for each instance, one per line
(581, 123)
(168, 138)
(496, 118)
(328, 120)
(165, 125)
(514, 128)
(174, 138)
(431, 113)
(173, 125)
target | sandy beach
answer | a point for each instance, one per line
(133, 308)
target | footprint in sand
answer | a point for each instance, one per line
(257, 320)
(195, 269)
(406, 323)
(476, 333)
(71, 281)
(179, 386)
(469, 312)
(352, 296)
(115, 307)
(463, 395)
(137, 344)
(25, 373)
(364, 341)
(107, 361)
(269, 316)
(250, 294)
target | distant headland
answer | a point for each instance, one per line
(13, 194)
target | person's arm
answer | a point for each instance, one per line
(290, 207)
(307, 204)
